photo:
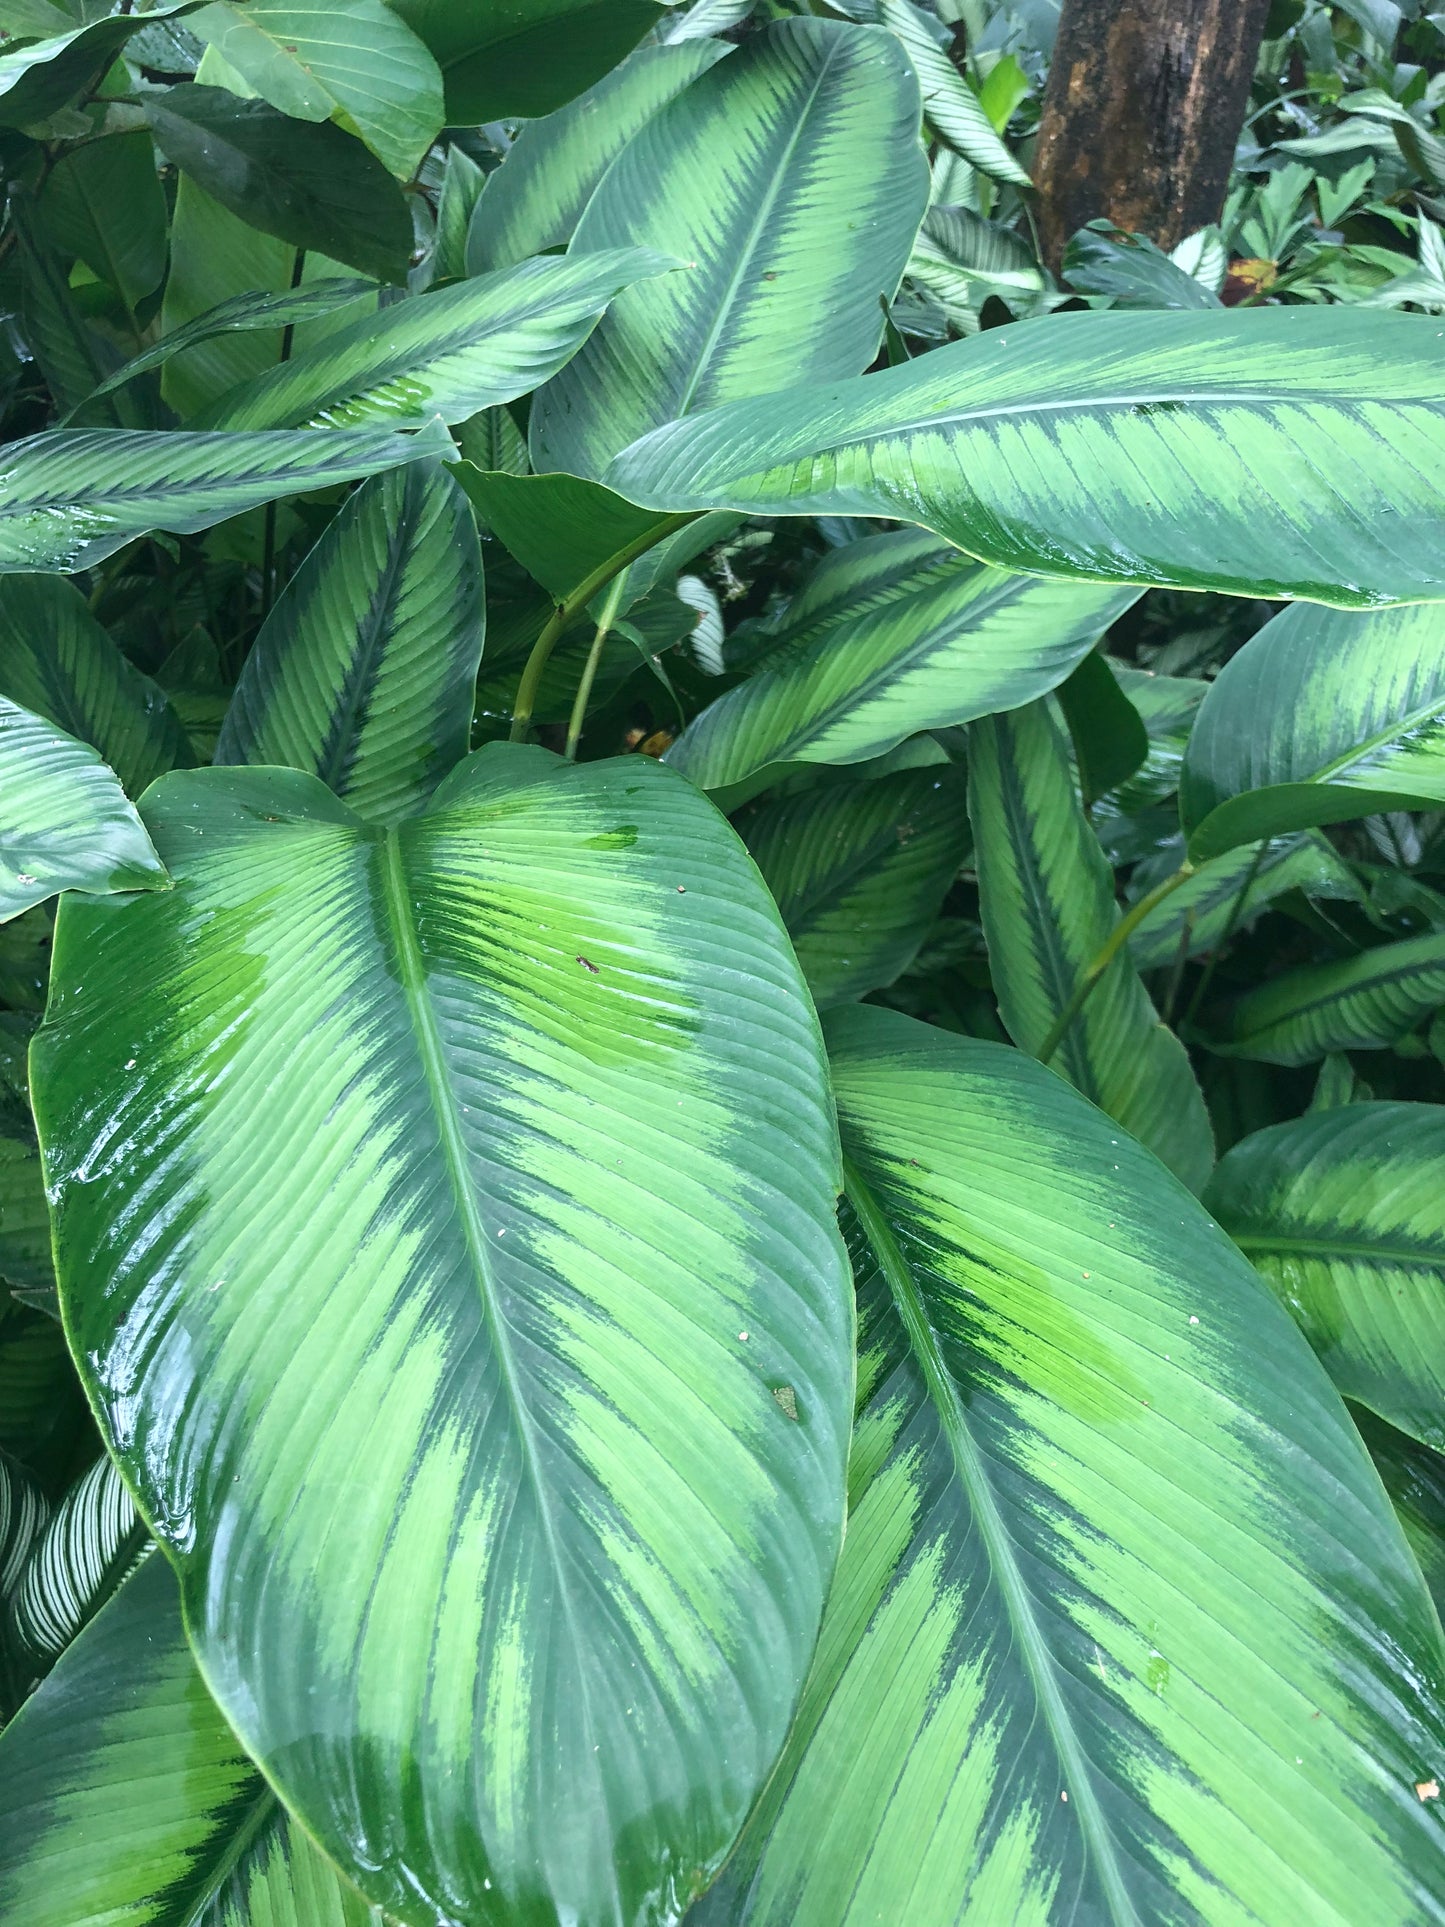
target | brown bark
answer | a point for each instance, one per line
(1144, 106)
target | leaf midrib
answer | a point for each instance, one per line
(1038, 1661)
(1287, 1245)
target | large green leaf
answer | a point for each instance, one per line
(67, 823)
(103, 201)
(790, 178)
(25, 1264)
(952, 108)
(1268, 451)
(1324, 715)
(1229, 894)
(894, 634)
(447, 353)
(859, 871)
(1414, 1477)
(70, 498)
(130, 1803)
(57, 660)
(357, 63)
(560, 528)
(468, 1309)
(88, 1545)
(37, 79)
(1046, 896)
(1344, 1213)
(1124, 1631)
(1365, 1002)
(364, 672)
(524, 57)
(536, 198)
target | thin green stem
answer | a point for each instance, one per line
(589, 668)
(1118, 937)
(268, 541)
(569, 607)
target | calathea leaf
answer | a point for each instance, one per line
(1414, 1477)
(1343, 1212)
(87, 1547)
(535, 1245)
(208, 1843)
(520, 58)
(535, 199)
(1365, 1002)
(70, 498)
(1244, 450)
(950, 105)
(1322, 716)
(68, 824)
(462, 184)
(859, 871)
(23, 1511)
(364, 672)
(1107, 733)
(37, 79)
(1046, 897)
(893, 634)
(447, 353)
(808, 130)
(1228, 894)
(1124, 1630)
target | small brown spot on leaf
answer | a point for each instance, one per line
(787, 1401)
(587, 964)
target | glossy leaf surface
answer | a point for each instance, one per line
(1344, 1213)
(524, 57)
(1365, 1002)
(364, 672)
(443, 1408)
(1269, 451)
(1047, 902)
(789, 179)
(1124, 1630)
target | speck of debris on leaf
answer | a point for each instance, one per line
(1427, 1790)
(787, 1401)
(587, 964)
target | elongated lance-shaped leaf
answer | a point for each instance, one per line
(67, 824)
(129, 1801)
(535, 199)
(1124, 1630)
(364, 672)
(471, 1147)
(790, 178)
(37, 79)
(1414, 1477)
(1268, 451)
(1366, 1002)
(1046, 896)
(894, 634)
(859, 871)
(1324, 715)
(88, 1545)
(462, 183)
(25, 1264)
(1344, 1213)
(1229, 893)
(23, 1511)
(72, 497)
(950, 105)
(447, 353)
(57, 660)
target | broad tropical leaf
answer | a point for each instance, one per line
(534, 201)
(521, 58)
(1267, 451)
(1365, 1002)
(56, 660)
(1231, 891)
(364, 672)
(447, 353)
(103, 201)
(68, 824)
(93, 1538)
(894, 634)
(539, 1165)
(357, 62)
(859, 871)
(1414, 1477)
(37, 79)
(1344, 1213)
(1106, 732)
(1324, 715)
(790, 180)
(70, 498)
(1046, 896)
(561, 529)
(1124, 1629)
(950, 105)
(206, 1841)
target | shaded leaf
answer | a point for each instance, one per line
(103, 202)
(520, 58)
(1230, 892)
(38, 79)
(1365, 1002)
(86, 1548)
(1414, 1477)
(950, 105)
(1109, 739)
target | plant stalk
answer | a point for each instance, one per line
(589, 670)
(1118, 937)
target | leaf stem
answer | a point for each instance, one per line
(589, 670)
(268, 541)
(577, 599)
(1118, 937)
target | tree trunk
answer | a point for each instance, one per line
(1144, 106)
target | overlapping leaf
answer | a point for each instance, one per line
(1365, 1002)
(1414, 1477)
(524, 57)
(1229, 894)
(84, 1551)
(39, 78)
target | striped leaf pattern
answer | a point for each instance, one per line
(1046, 897)
(68, 824)
(130, 1803)
(1266, 451)
(894, 634)
(1225, 897)
(1124, 1630)
(482, 1349)
(365, 671)
(72, 497)
(950, 105)
(1366, 1002)
(859, 871)
(23, 1511)
(1324, 715)
(93, 1539)
(1343, 1212)
(448, 353)
(790, 179)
